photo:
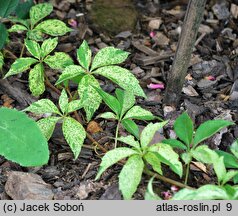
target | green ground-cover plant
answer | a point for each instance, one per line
(73, 131)
(124, 111)
(140, 154)
(40, 55)
(36, 30)
(190, 139)
(1, 60)
(103, 64)
(21, 139)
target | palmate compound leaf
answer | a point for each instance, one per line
(74, 105)
(20, 65)
(36, 80)
(34, 48)
(21, 139)
(209, 128)
(40, 11)
(130, 140)
(53, 27)
(21, 21)
(220, 169)
(175, 143)
(91, 98)
(229, 159)
(108, 56)
(47, 126)
(59, 60)
(17, 28)
(42, 106)
(63, 101)
(154, 161)
(131, 127)
(122, 77)
(130, 176)
(48, 46)
(112, 157)
(74, 134)
(84, 55)
(234, 148)
(137, 112)
(149, 131)
(107, 115)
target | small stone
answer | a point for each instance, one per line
(221, 10)
(161, 39)
(190, 91)
(234, 10)
(155, 24)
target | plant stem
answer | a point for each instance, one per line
(116, 136)
(187, 174)
(22, 50)
(48, 83)
(10, 54)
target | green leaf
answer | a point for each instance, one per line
(235, 179)
(112, 157)
(53, 27)
(20, 65)
(59, 60)
(229, 159)
(42, 106)
(183, 127)
(35, 34)
(40, 11)
(3, 35)
(107, 115)
(74, 134)
(92, 99)
(186, 157)
(1, 60)
(122, 77)
(22, 10)
(34, 48)
(36, 80)
(149, 194)
(74, 105)
(234, 148)
(84, 55)
(220, 169)
(63, 101)
(204, 154)
(154, 161)
(7, 7)
(109, 56)
(136, 112)
(209, 128)
(168, 156)
(21, 21)
(111, 101)
(47, 126)
(48, 46)
(21, 140)
(130, 140)
(149, 131)
(131, 127)
(69, 73)
(17, 28)
(228, 176)
(174, 143)
(126, 99)
(130, 176)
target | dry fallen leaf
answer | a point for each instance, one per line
(93, 127)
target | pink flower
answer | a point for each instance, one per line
(211, 78)
(73, 23)
(156, 86)
(167, 195)
(174, 188)
(152, 34)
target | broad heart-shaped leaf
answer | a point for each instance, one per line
(63, 101)
(70, 72)
(220, 169)
(168, 156)
(47, 126)
(112, 157)
(84, 55)
(91, 98)
(137, 112)
(130, 176)
(234, 149)
(228, 176)
(154, 161)
(20, 65)
(149, 194)
(126, 99)
(204, 154)
(3, 35)
(48, 46)
(17, 28)
(130, 140)
(122, 77)
(53, 27)
(40, 11)
(36, 80)
(206, 192)
(43, 106)
(74, 134)
(107, 115)
(149, 131)
(209, 128)
(21, 140)
(34, 48)
(109, 56)
(229, 159)
(183, 127)
(59, 60)
(175, 143)
(1, 60)
(131, 127)
(111, 101)
(7, 7)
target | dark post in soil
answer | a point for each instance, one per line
(185, 47)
